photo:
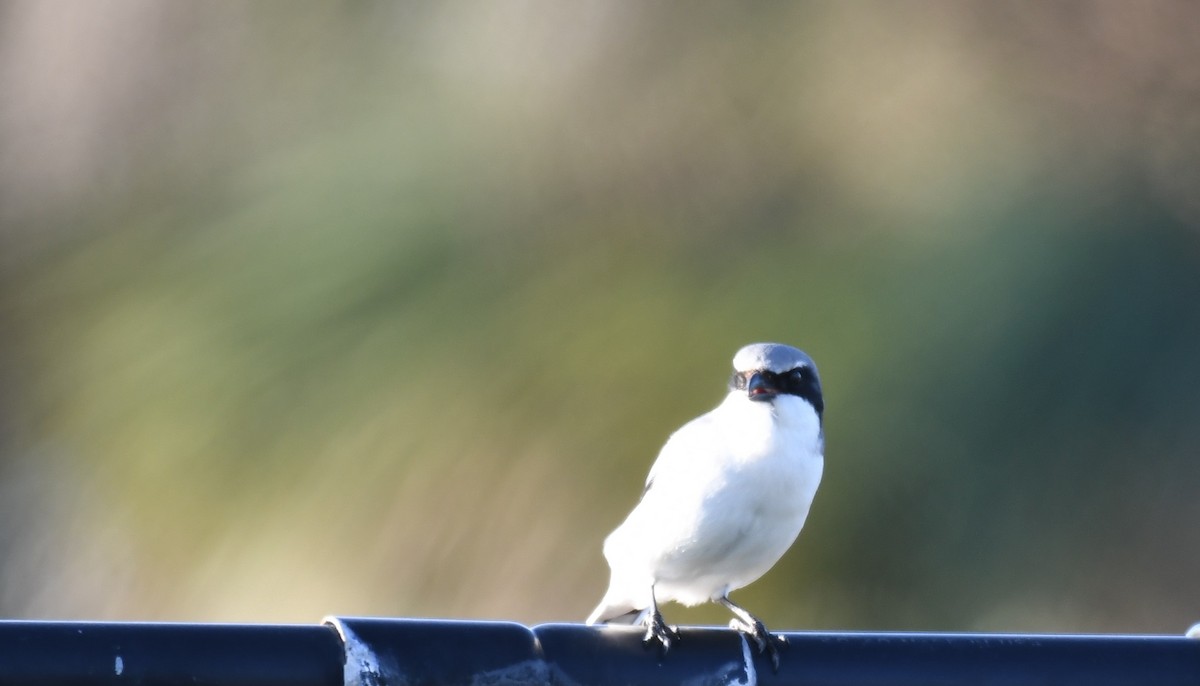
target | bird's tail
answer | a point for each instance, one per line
(615, 613)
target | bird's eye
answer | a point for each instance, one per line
(797, 374)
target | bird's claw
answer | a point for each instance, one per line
(657, 630)
(765, 642)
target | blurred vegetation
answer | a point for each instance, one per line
(385, 309)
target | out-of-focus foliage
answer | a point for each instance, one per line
(385, 309)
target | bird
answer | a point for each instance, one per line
(725, 499)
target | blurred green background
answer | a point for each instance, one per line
(383, 308)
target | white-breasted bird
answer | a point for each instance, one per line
(725, 499)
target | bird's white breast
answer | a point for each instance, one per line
(730, 493)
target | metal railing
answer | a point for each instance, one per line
(411, 652)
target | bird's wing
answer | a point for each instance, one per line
(682, 448)
(675, 533)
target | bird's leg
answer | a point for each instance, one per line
(657, 629)
(766, 642)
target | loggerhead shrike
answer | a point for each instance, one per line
(725, 499)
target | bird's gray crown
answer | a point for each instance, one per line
(772, 357)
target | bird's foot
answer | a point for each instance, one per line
(657, 630)
(767, 643)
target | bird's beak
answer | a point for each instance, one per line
(760, 388)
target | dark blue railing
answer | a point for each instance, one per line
(410, 652)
